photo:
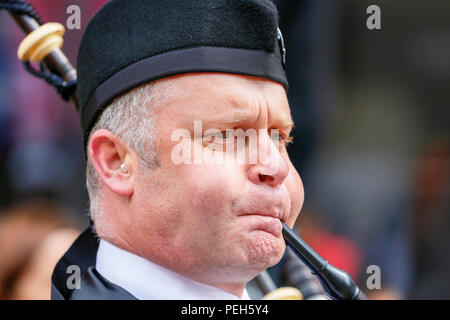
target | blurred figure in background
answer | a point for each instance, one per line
(33, 237)
(339, 250)
(431, 198)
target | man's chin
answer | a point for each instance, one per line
(265, 249)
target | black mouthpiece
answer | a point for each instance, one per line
(336, 283)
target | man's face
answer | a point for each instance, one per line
(218, 221)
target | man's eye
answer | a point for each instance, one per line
(280, 137)
(226, 134)
(219, 137)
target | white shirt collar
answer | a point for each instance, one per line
(149, 281)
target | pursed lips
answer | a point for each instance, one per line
(276, 215)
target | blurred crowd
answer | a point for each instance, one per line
(33, 237)
(372, 145)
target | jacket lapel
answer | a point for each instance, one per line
(83, 254)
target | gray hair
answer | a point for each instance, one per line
(131, 118)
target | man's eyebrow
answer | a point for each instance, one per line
(283, 123)
(242, 117)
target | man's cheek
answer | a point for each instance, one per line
(208, 193)
(294, 186)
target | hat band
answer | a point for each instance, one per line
(199, 59)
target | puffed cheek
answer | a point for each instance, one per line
(294, 186)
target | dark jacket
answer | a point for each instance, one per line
(83, 254)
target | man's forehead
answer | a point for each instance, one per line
(231, 98)
(219, 80)
(218, 36)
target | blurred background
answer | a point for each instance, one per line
(372, 145)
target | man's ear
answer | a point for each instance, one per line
(107, 153)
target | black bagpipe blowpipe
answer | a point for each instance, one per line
(336, 283)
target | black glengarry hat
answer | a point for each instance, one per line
(131, 42)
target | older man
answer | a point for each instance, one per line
(171, 229)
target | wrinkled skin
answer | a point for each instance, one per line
(205, 221)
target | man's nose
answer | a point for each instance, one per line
(271, 168)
